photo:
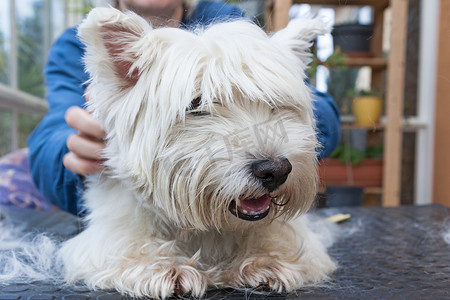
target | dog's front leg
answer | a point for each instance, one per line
(139, 267)
(283, 257)
(161, 277)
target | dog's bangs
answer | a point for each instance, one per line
(241, 60)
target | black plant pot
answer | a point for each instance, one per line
(353, 39)
(338, 196)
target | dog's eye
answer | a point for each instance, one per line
(200, 113)
(194, 108)
(274, 110)
(195, 104)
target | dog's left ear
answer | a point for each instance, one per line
(299, 34)
(109, 36)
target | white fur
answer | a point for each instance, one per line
(158, 220)
(27, 257)
(446, 231)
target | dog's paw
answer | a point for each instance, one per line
(166, 281)
(279, 276)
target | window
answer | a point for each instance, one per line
(27, 30)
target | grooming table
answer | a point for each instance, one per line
(388, 253)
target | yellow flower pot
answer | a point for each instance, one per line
(367, 110)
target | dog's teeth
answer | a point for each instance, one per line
(245, 211)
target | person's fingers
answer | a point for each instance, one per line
(80, 165)
(86, 94)
(81, 120)
(85, 147)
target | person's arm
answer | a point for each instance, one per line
(328, 124)
(65, 77)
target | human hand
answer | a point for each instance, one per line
(85, 146)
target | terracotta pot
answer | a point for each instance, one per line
(367, 110)
(368, 173)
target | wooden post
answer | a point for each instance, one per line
(442, 129)
(394, 105)
(278, 14)
(377, 47)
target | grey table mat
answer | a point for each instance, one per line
(393, 253)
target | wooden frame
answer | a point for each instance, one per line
(394, 105)
(442, 127)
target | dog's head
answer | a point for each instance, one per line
(214, 127)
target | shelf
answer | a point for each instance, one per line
(374, 62)
(377, 64)
(367, 190)
(373, 190)
(392, 68)
(375, 3)
(376, 127)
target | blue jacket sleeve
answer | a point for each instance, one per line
(328, 124)
(207, 12)
(65, 76)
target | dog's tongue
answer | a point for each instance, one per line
(255, 205)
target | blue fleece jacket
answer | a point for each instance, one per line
(65, 78)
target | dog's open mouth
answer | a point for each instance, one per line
(251, 209)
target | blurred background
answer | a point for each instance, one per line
(385, 65)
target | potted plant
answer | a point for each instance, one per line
(335, 61)
(353, 39)
(348, 166)
(367, 107)
(348, 171)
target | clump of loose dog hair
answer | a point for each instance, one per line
(26, 256)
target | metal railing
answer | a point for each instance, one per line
(16, 102)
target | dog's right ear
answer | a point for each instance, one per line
(299, 34)
(109, 36)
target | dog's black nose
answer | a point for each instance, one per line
(272, 172)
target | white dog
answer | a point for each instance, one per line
(210, 159)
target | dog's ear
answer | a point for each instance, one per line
(109, 36)
(299, 34)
